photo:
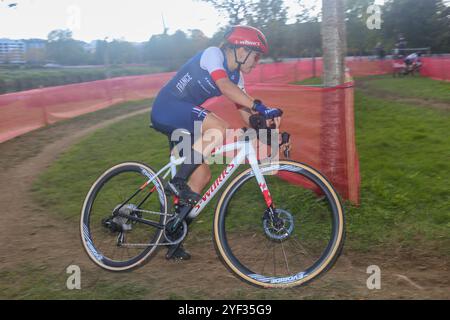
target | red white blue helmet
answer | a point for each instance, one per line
(245, 36)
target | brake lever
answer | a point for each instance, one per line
(285, 137)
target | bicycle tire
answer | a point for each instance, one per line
(88, 242)
(327, 259)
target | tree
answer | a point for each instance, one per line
(171, 51)
(59, 35)
(197, 40)
(62, 49)
(307, 12)
(269, 16)
(333, 42)
(423, 23)
(237, 11)
(122, 52)
(361, 40)
(334, 51)
(266, 13)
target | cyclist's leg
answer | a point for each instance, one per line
(202, 175)
(211, 122)
(167, 116)
(200, 178)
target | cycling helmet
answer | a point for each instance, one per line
(249, 37)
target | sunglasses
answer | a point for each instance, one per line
(257, 55)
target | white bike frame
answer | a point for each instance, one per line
(245, 151)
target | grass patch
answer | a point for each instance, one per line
(310, 82)
(410, 87)
(404, 154)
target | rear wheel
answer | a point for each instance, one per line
(111, 240)
(297, 241)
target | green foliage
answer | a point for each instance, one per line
(423, 23)
(18, 79)
(62, 49)
(171, 51)
(236, 10)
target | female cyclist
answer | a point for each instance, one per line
(211, 73)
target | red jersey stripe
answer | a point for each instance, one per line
(219, 74)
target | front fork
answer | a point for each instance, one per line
(270, 213)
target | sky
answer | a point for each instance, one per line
(131, 20)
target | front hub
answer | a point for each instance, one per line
(278, 224)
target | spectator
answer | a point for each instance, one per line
(401, 45)
(379, 51)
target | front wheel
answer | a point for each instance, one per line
(290, 245)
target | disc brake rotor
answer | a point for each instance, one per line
(278, 228)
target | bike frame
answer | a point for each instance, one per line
(245, 151)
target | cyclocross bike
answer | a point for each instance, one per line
(275, 225)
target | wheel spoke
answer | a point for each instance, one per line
(285, 258)
(114, 188)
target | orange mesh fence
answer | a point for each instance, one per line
(285, 72)
(437, 68)
(359, 67)
(28, 110)
(322, 135)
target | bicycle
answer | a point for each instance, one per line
(277, 238)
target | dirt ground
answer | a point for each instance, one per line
(31, 236)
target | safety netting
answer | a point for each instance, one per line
(28, 110)
(321, 124)
(437, 68)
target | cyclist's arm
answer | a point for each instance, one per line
(212, 61)
(234, 93)
(245, 114)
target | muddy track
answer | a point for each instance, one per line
(32, 236)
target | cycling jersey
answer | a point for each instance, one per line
(178, 104)
(195, 82)
(412, 58)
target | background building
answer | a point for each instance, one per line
(12, 51)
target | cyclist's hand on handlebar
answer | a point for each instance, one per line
(268, 113)
(274, 123)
